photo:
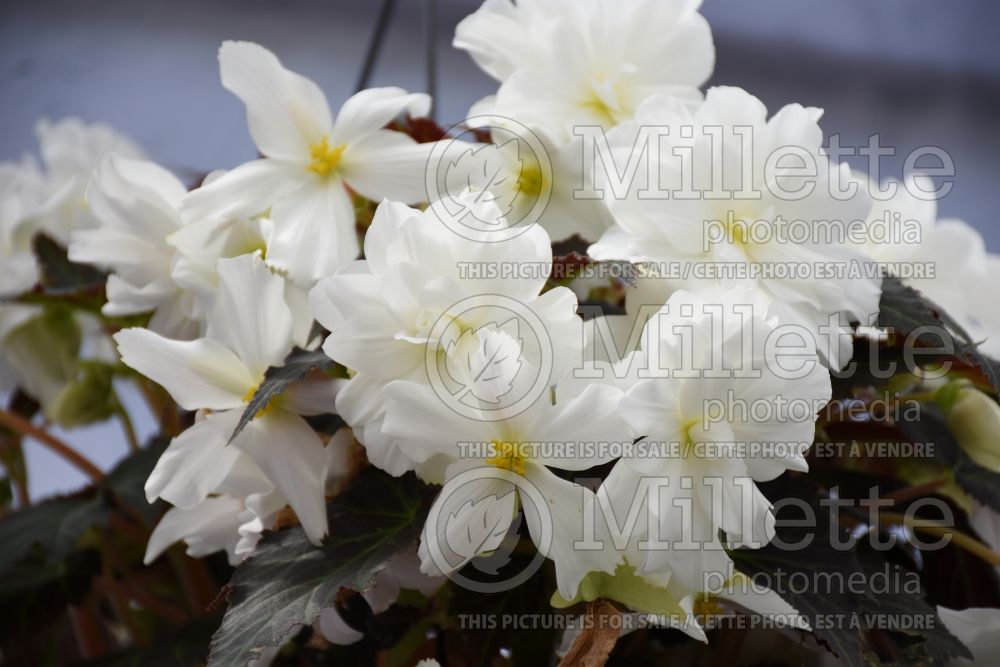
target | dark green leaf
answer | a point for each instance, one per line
(46, 562)
(288, 581)
(528, 646)
(779, 567)
(127, 480)
(52, 527)
(931, 643)
(931, 426)
(35, 590)
(903, 309)
(979, 482)
(61, 276)
(6, 492)
(276, 381)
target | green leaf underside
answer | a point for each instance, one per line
(288, 582)
(277, 379)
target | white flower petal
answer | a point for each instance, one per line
(251, 317)
(207, 528)
(291, 455)
(196, 462)
(563, 519)
(313, 231)
(198, 374)
(286, 112)
(245, 191)
(336, 630)
(312, 396)
(388, 165)
(370, 110)
(473, 516)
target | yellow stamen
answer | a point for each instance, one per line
(325, 158)
(508, 456)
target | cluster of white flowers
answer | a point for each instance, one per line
(482, 380)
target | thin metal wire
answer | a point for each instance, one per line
(375, 43)
(430, 51)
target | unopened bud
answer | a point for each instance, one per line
(88, 399)
(974, 420)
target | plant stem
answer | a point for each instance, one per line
(917, 491)
(88, 631)
(25, 427)
(967, 542)
(127, 425)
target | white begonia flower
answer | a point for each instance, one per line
(22, 193)
(476, 506)
(242, 506)
(385, 313)
(905, 235)
(755, 217)
(566, 63)
(402, 573)
(199, 247)
(249, 330)
(722, 396)
(210, 526)
(310, 159)
(686, 577)
(530, 188)
(135, 203)
(71, 150)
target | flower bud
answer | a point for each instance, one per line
(87, 399)
(44, 352)
(974, 420)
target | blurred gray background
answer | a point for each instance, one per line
(918, 72)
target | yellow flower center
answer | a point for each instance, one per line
(508, 456)
(252, 246)
(738, 232)
(694, 433)
(531, 181)
(325, 158)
